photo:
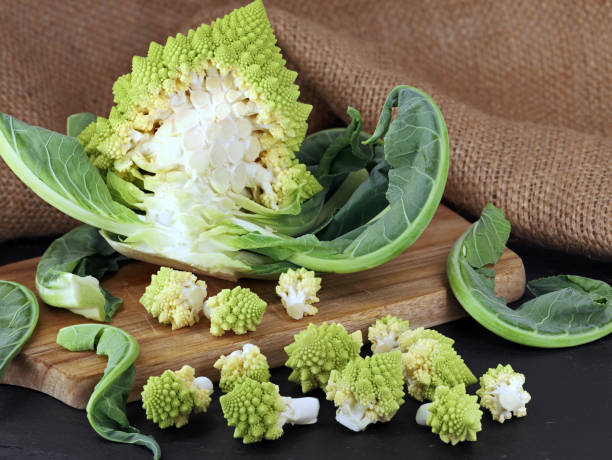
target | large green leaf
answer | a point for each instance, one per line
(568, 310)
(57, 169)
(411, 171)
(68, 273)
(18, 318)
(106, 406)
(78, 122)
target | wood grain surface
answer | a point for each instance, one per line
(412, 286)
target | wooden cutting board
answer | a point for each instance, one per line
(412, 286)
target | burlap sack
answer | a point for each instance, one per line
(525, 87)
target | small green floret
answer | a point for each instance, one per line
(318, 350)
(411, 336)
(454, 415)
(430, 363)
(174, 297)
(239, 310)
(368, 390)
(254, 409)
(170, 398)
(249, 362)
(385, 333)
(501, 392)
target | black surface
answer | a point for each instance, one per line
(568, 417)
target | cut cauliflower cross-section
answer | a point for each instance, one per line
(216, 110)
(170, 398)
(258, 411)
(174, 297)
(249, 362)
(501, 391)
(298, 291)
(368, 390)
(239, 310)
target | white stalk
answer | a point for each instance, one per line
(422, 414)
(204, 383)
(353, 416)
(299, 411)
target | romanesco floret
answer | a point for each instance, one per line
(411, 336)
(385, 332)
(453, 414)
(298, 292)
(368, 390)
(174, 297)
(217, 107)
(318, 350)
(239, 310)
(257, 411)
(170, 398)
(501, 391)
(240, 364)
(430, 363)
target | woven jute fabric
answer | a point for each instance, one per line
(525, 88)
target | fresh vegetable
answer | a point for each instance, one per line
(568, 310)
(368, 390)
(412, 336)
(106, 405)
(318, 350)
(195, 167)
(18, 318)
(249, 362)
(298, 292)
(68, 272)
(384, 334)
(171, 398)
(501, 391)
(239, 310)
(258, 411)
(453, 414)
(175, 297)
(430, 363)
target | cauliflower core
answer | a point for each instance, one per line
(209, 137)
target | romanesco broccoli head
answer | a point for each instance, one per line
(217, 107)
(240, 364)
(454, 415)
(170, 398)
(368, 390)
(501, 391)
(318, 350)
(254, 409)
(430, 363)
(239, 310)
(411, 336)
(385, 332)
(298, 292)
(174, 297)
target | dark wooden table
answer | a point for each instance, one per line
(568, 417)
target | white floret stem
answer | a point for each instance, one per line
(299, 411)
(353, 416)
(207, 310)
(204, 383)
(423, 414)
(509, 398)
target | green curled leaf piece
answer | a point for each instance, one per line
(68, 272)
(568, 310)
(18, 318)
(106, 406)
